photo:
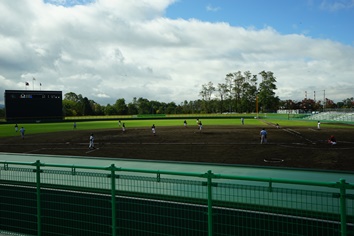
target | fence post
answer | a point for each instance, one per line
(210, 203)
(343, 207)
(113, 195)
(38, 188)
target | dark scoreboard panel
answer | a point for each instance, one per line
(33, 105)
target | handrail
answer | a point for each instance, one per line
(187, 174)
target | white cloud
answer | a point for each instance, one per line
(123, 49)
(212, 8)
(336, 5)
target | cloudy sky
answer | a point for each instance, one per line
(165, 50)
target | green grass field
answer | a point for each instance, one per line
(33, 128)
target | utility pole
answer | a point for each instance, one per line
(257, 105)
(324, 100)
(34, 79)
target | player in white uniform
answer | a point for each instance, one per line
(22, 131)
(92, 139)
(153, 129)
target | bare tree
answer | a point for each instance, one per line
(223, 92)
(206, 93)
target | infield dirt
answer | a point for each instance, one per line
(287, 147)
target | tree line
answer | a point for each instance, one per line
(241, 92)
(77, 105)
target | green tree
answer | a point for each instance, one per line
(214, 106)
(86, 107)
(179, 109)
(73, 104)
(223, 93)
(171, 108)
(2, 113)
(266, 95)
(248, 100)
(229, 81)
(69, 108)
(340, 104)
(109, 110)
(97, 108)
(120, 107)
(162, 108)
(71, 96)
(348, 103)
(132, 109)
(186, 109)
(239, 85)
(155, 107)
(144, 106)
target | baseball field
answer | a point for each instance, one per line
(295, 144)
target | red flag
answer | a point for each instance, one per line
(27, 84)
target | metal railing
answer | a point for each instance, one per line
(55, 199)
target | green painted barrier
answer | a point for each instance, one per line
(57, 199)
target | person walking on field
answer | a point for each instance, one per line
(318, 125)
(123, 128)
(263, 134)
(242, 121)
(153, 129)
(185, 123)
(16, 128)
(22, 131)
(92, 139)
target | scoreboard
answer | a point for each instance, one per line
(33, 105)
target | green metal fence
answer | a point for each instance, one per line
(55, 199)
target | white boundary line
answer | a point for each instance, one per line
(92, 150)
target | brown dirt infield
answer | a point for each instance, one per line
(288, 147)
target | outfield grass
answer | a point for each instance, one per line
(34, 128)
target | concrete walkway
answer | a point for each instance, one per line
(262, 172)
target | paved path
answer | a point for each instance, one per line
(262, 172)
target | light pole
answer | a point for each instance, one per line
(34, 79)
(256, 99)
(257, 105)
(324, 100)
